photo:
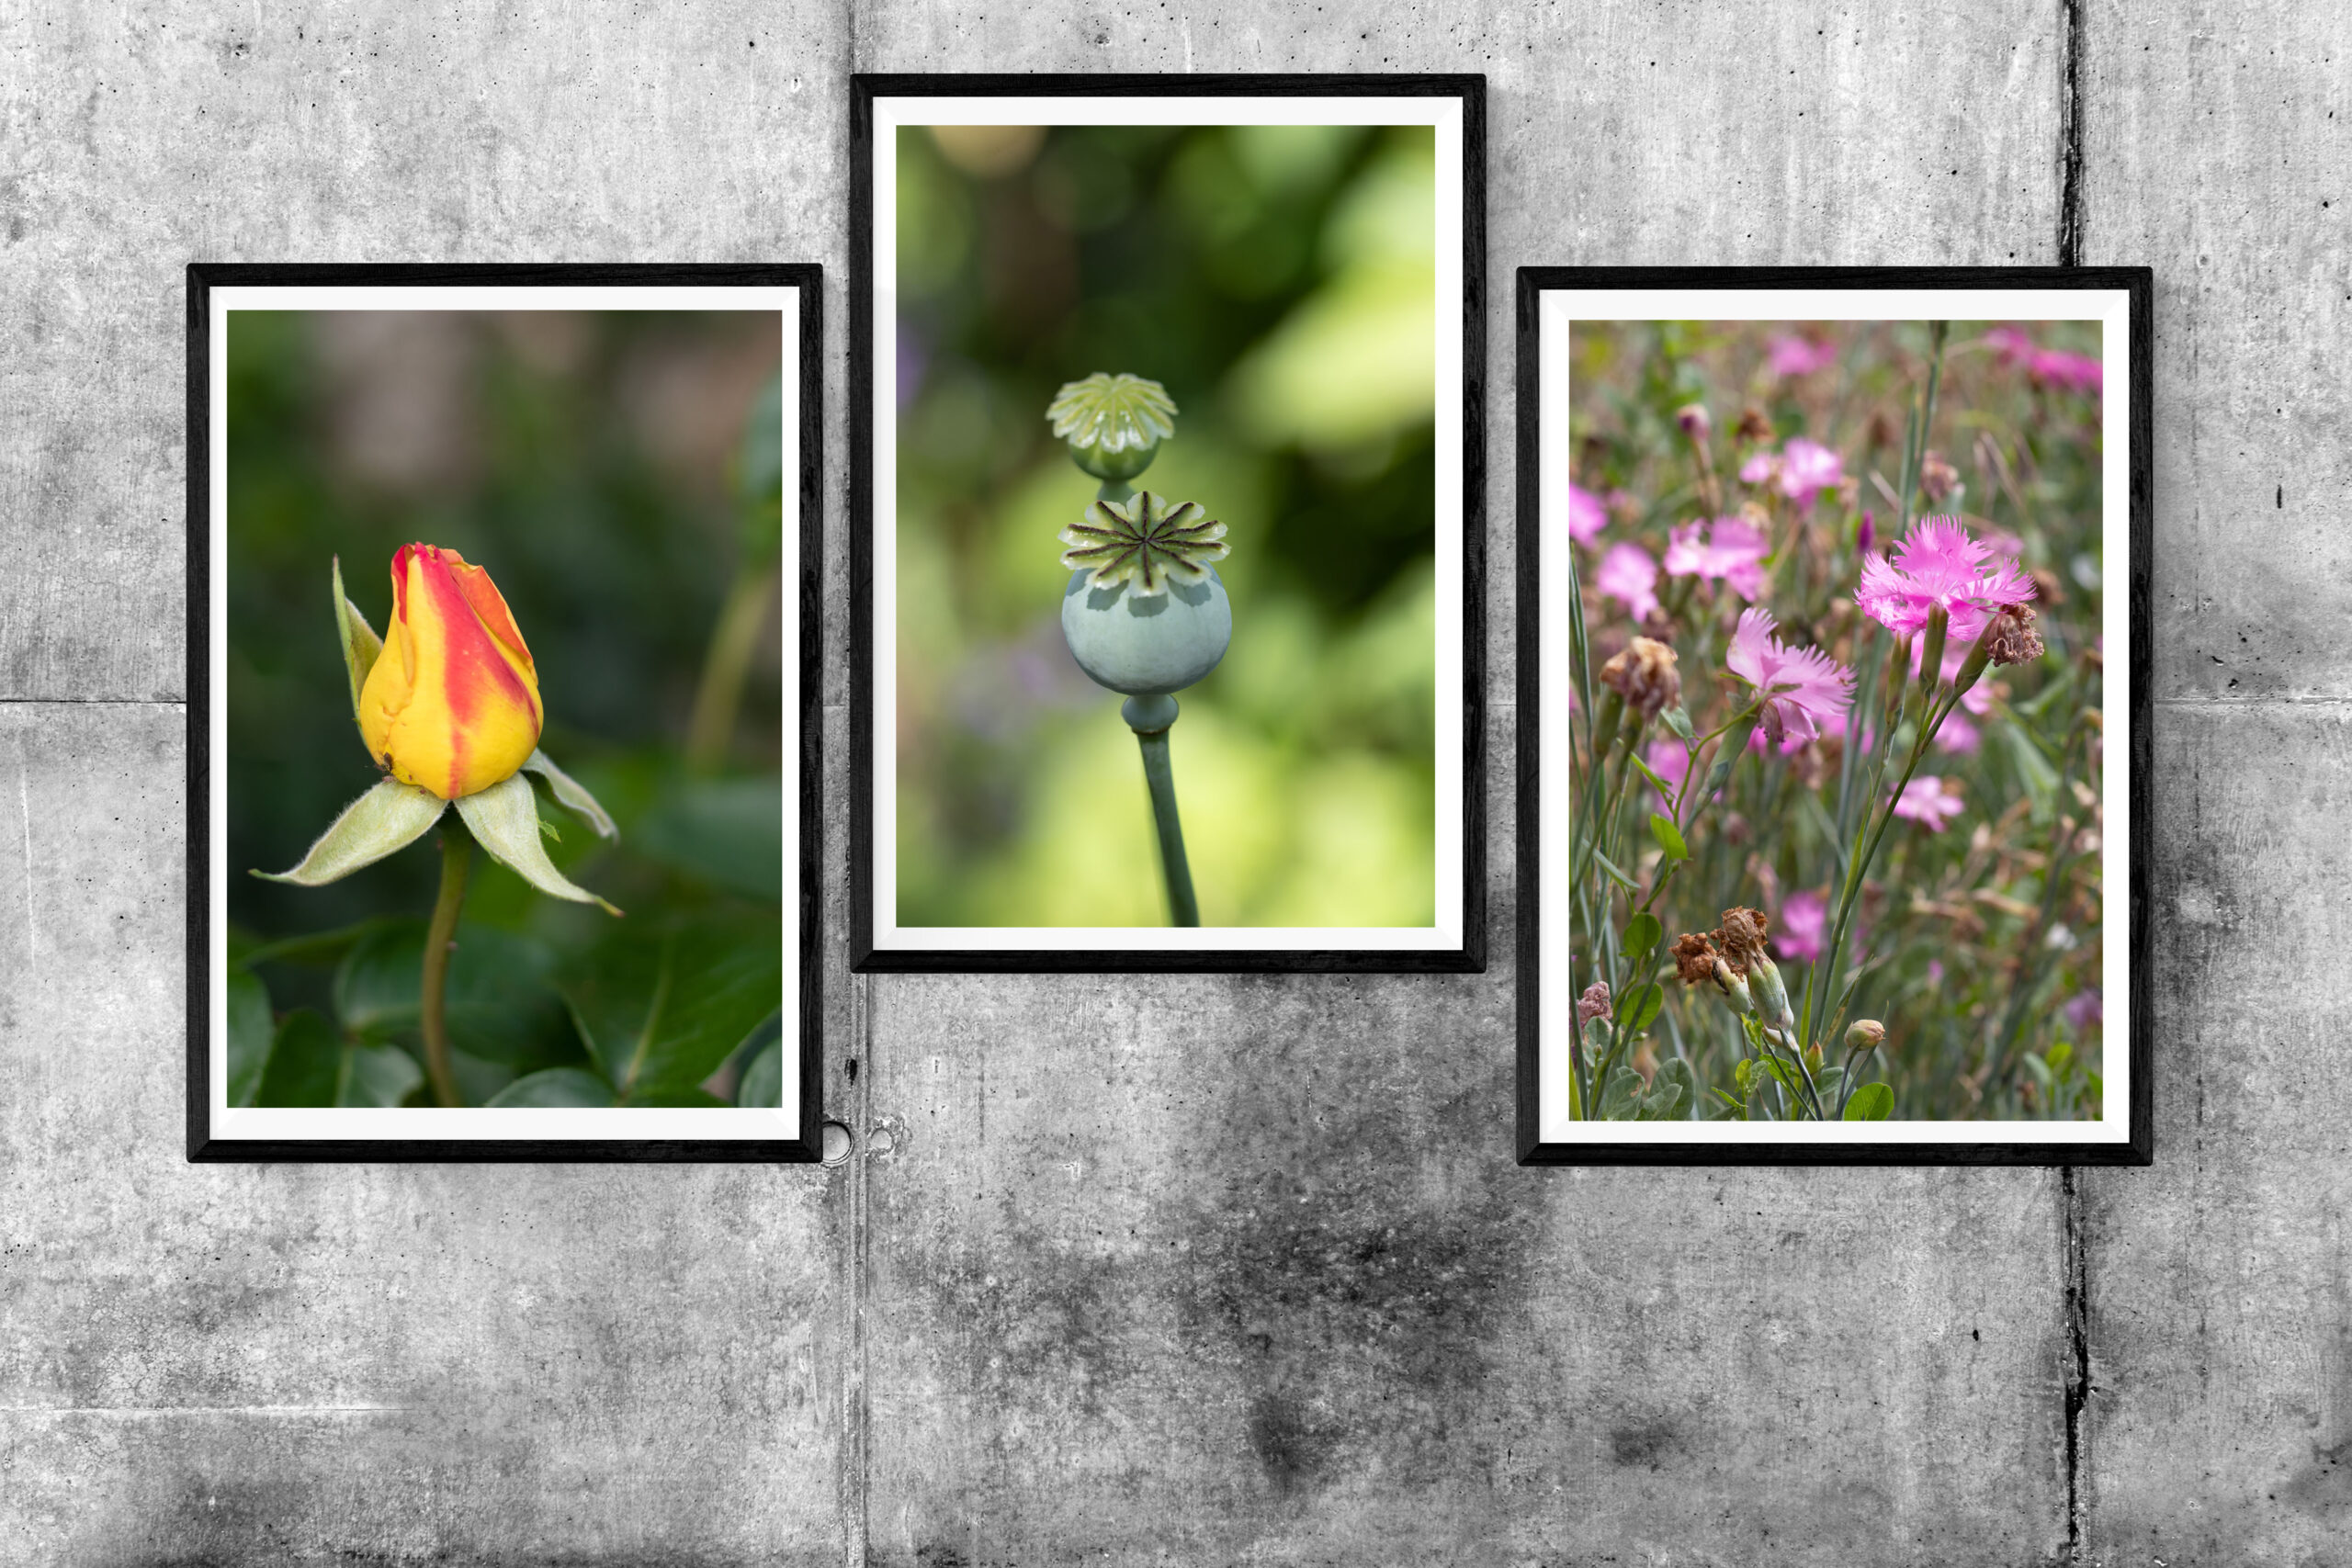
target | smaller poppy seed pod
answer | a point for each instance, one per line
(1113, 424)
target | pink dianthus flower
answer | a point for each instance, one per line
(1786, 354)
(1728, 549)
(1803, 689)
(1804, 917)
(1929, 801)
(1587, 515)
(1802, 470)
(1668, 761)
(1938, 563)
(1628, 575)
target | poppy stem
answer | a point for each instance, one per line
(457, 858)
(1150, 717)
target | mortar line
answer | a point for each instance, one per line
(2070, 134)
(95, 701)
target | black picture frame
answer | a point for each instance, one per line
(805, 1062)
(1470, 955)
(2137, 1147)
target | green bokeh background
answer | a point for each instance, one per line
(1281, 282)
(597, 464)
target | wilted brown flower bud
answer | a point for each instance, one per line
(1880, 431)
(1694, 420)
(1593, 1004)
(1741, 937)
(2010, 638)
(1694, 959)
(1753, 425)
(1937, 477)
(2047, 589)
(1645, 675)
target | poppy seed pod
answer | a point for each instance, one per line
(1144, 613)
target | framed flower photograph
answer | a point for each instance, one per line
(503, 724)
(1166, 523)
(1833, 715)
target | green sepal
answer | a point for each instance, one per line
(389, 818)
(504, 819)
(361, 646)
(568, 793)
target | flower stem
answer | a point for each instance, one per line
(726, 664)
(1150, 717)
(457, 855)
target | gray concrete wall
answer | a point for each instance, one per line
(1244, 1275)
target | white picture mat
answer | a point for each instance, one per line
(1443, 113)
(566, 1123)
(1557, 311)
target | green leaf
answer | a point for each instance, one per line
(506, 821)
(664, 1013)
(1677, 720)
(762, 1085)
(361, 646)
(1659, 1104)
(2060, 1054)
(570, 793)
(1664, 788)
(1872, 1102)
(389, 818)
(1733, 1111)
(250, 1030)
(1624, 1089)
(557, 1088)
(1671, 1093)
(312, 1065)
(2038, 1069)
(1616, 874)
(1640, 1008)
(1641, 934)
(1668, 836)
(376, 1075)
(500, 1004)
(305, 1062)
(316, 949)
(728, 832)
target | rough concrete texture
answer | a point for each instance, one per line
(1200, 1270)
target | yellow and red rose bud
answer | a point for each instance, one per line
(452, 705)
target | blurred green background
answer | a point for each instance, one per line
(1281, 282)
(609, 472)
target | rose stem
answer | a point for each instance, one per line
(456, 854)
(726, 664)
(1149, 717)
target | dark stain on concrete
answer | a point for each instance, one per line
(2324, 1485)
(1647, 1445)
